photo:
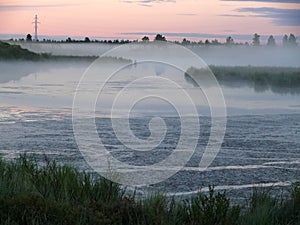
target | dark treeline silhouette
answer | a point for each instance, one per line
(88, 40)
(287, 41)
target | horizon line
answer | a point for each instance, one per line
(244, 37)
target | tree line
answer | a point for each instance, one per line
(287, 41)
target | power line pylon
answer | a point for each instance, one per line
(36, 28)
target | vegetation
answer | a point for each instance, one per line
(271, 41)
(290, 41)
(287, 41)
(278, 79)
(160, 37)
(8, 51)
(275, 76)
(15, 52)
(256, 40)
(264, 209)
(229, 41)
(58, 194)
(28, 37)
(145, 39)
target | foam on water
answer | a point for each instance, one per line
(275, 163)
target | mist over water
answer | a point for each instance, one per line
(261, 144)
(212, 55)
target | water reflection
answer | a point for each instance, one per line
(15, 70)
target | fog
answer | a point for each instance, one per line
(249, 55)
(13, 71)
(212, 55)
(53, 82)
(52, 85)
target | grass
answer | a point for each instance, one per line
(265, 210)
(57, 194)
(278, 79)
(275, 76)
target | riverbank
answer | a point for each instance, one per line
(16, 52)
(60, 194)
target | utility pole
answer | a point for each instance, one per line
(36, 28)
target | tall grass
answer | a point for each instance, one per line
(265, 210)
(56, 194)
(277, 79)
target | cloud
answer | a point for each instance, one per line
(282, 17)
(146, 2)
(187, 14)
(233, 15)
(29, 7)
(277, 1)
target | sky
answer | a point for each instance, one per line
(132, 19)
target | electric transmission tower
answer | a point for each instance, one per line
(36, 28)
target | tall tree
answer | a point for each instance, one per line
(185, 41)
(145, 39)
(207, 42)
(87, 39)
(28, 37)
(229, 40)
(215, 42)
(256, 40)
(271, 41)
(285, 40)
(159, 37)
(292, 40)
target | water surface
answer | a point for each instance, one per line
(261, 145)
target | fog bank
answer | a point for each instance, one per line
(212, 55)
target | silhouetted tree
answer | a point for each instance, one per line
(285, 40)
(289, 41)
(124, 41)
(86, 39)
(68, 39)
(185, 41)
(271, 41)
(207, 42)
(215, 42)
(229, 40)
(159, 37)
(145, 39)
(255, 40)
(292, 40)
(28, 37)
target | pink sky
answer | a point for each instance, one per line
(110, 18)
